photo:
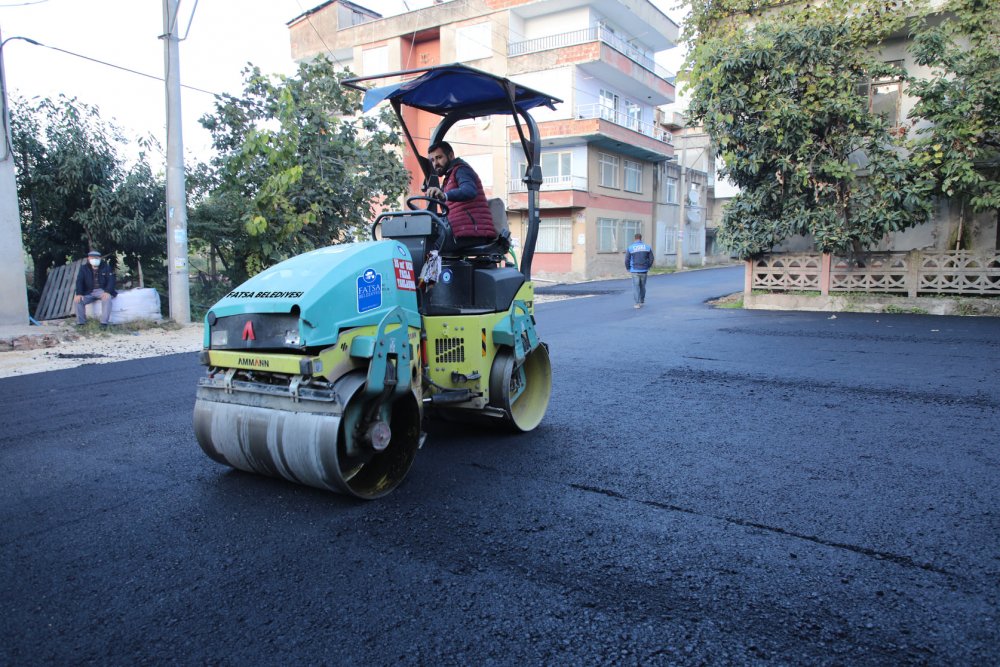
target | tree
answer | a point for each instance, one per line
(129, 219)
(75, 190)
(62, 152)
(298, 167)
(956, 137)
(777, 91)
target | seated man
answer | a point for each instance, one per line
(468, 211)
(94, 282)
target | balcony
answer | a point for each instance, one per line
(604, 128)
(598, 110)
(550, 183)
(586, 36)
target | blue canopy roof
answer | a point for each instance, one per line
(450, 88)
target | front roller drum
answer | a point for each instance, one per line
(320, 446)
(522, 392)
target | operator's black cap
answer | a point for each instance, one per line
(93, 253)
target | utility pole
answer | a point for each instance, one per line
(680, 219)
(13, 286)
(177, 239)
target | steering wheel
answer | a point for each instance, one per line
(433, 205)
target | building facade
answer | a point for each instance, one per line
(604, 149)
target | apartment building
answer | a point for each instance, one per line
(604, 151)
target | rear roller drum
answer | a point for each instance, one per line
(522, 392)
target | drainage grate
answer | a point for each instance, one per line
(449, 350)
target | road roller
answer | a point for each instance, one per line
(326, 368)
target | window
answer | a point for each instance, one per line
(607, 239)
(670, 238)
(609, 106)
(517, 183)
(616, 235)
(670, 187)
(556, 172)
(472, 42)
(634, 115)
(884, 101)
(347, 17)
(557, 167)
(375, 61)
(608, 165)
(693, 241)
(555, 235)
(633, 176)
(884, 94)
(629, 229)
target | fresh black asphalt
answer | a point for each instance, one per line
(709, 486)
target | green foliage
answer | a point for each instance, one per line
(960, 99)
(904, 310)
(777, 90)
(129, 219)
(297, 168)
(76, 191)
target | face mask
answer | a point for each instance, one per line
(95, 262)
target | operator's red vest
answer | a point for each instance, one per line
(468, 219)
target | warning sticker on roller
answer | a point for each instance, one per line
(405, 279)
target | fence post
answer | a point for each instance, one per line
(824, 273)
(747, 280)
(913, 260)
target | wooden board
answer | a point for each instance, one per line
(57, 296)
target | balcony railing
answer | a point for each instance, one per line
(595, 34)
(598, 110)
(551, 183)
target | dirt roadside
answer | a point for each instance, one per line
(56, 346)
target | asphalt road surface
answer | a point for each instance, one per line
(709, 486)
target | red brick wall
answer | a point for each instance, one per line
(552, 262)
(579, 53)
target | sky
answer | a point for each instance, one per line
(224, 36)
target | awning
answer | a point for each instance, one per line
(449, 88)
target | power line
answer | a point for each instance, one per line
(107, 64)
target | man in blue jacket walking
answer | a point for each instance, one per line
(638, 261)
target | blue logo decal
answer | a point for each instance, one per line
(369, 290)
(446, 276)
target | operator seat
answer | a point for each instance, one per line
(499, 244)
